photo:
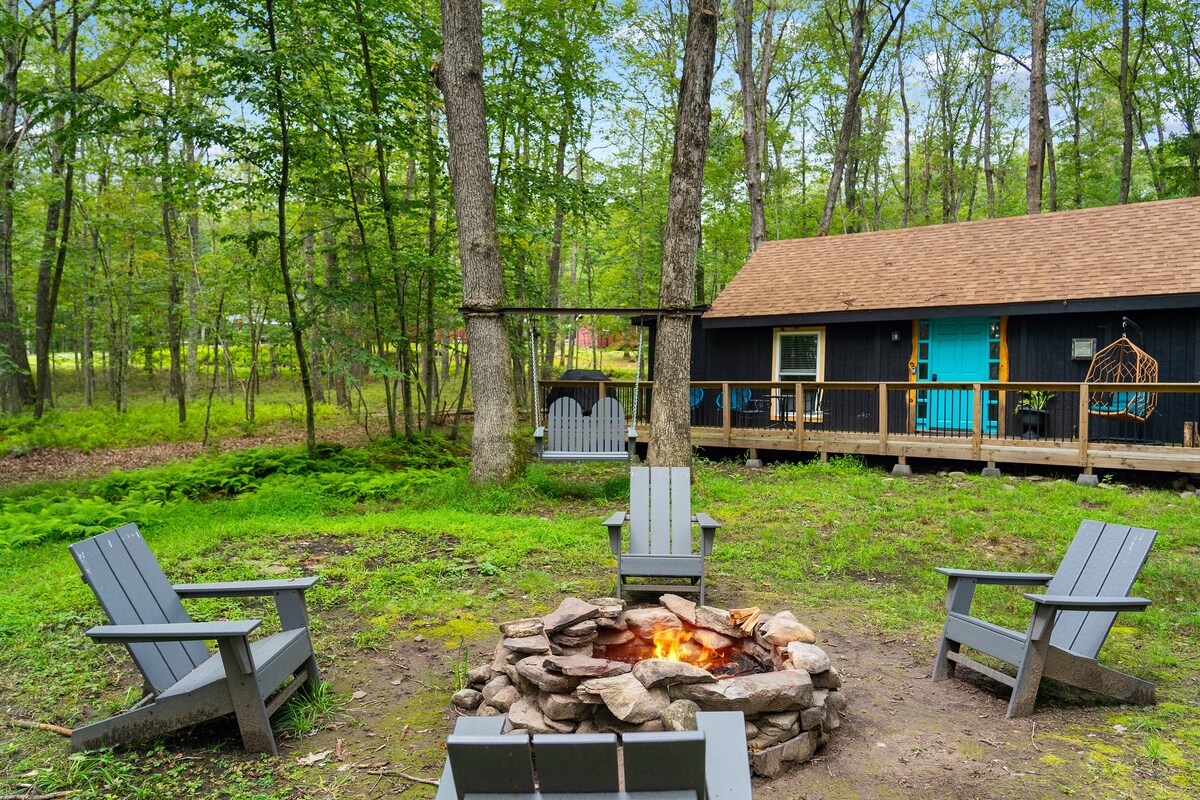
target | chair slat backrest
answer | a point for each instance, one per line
(660, 511)
(576, 763)
(491, 764)
(661, 762)
(608, 427)
(132, 590)
(1103, 560)
(564, 420)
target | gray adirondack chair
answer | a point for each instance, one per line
(1070, 621)
(570, 436)
(706, 764)
(660, 532)
(184, 683)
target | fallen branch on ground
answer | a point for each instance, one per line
(41, 726)
(399, 774)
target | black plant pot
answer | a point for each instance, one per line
(1033, 422)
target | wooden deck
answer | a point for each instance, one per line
(894, 420)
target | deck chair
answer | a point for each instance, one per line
(705, 764)
(660, 532)
(184, 683)
(570, 436)
(1070, 621)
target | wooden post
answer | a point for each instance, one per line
(798, 415)
(976, 420)
(883, 419)
(1083, 425)
(726, 416)
(1189, 435)
(602, 391)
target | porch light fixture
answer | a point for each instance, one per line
(895, 336)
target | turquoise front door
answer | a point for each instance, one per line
(958, 351)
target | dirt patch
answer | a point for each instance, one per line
(904, 736)
(56, 463)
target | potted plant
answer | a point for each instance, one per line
(1031, 413)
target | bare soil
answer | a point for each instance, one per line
(904, 736)
(56, 463)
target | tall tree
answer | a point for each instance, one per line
(671, 441)
(16, 383)
(754, 106)
(1035, 168)
(283, 120)
(494, 454)
(858, 70)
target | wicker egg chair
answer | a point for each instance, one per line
(1122, 362)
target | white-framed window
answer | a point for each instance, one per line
(799, 356)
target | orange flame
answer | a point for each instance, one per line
(676, 645)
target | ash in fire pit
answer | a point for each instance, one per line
(594, 667)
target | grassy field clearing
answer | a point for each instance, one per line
(406, 547)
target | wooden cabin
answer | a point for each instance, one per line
(934, 341)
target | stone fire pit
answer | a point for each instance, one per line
(594, 667)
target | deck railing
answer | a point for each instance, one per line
(1053, 423)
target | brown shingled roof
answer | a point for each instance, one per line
(1139, 250)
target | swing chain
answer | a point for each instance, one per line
(637, 382)
(537, 392)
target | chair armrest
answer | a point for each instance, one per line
(632, 434)
(616, 520)
(244, 588)
(539, 431)
(997, 578)
(174, 631)
(708, 532)
(614, 524)
(1067, 603)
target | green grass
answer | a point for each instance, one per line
(438, 556)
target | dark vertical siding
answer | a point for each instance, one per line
(853, 352)
(1040, 347)
(1040, 350)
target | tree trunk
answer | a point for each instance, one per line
(554, 260)
(494, 455)
(281, 214)
(743, 18)
(174, 288)
(433, 166)
(906, 196)
(1037, 107)
(333, 285)
(16, 384)
(46, 283)
(1125, 87)
(400, 282)
(314, 335)
(671, 440)
(191, 376)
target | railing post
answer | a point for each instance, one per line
(726, 416)
(1083, 424)
(602, 389)
(976, 420)
(798, 415)
(883, 419)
